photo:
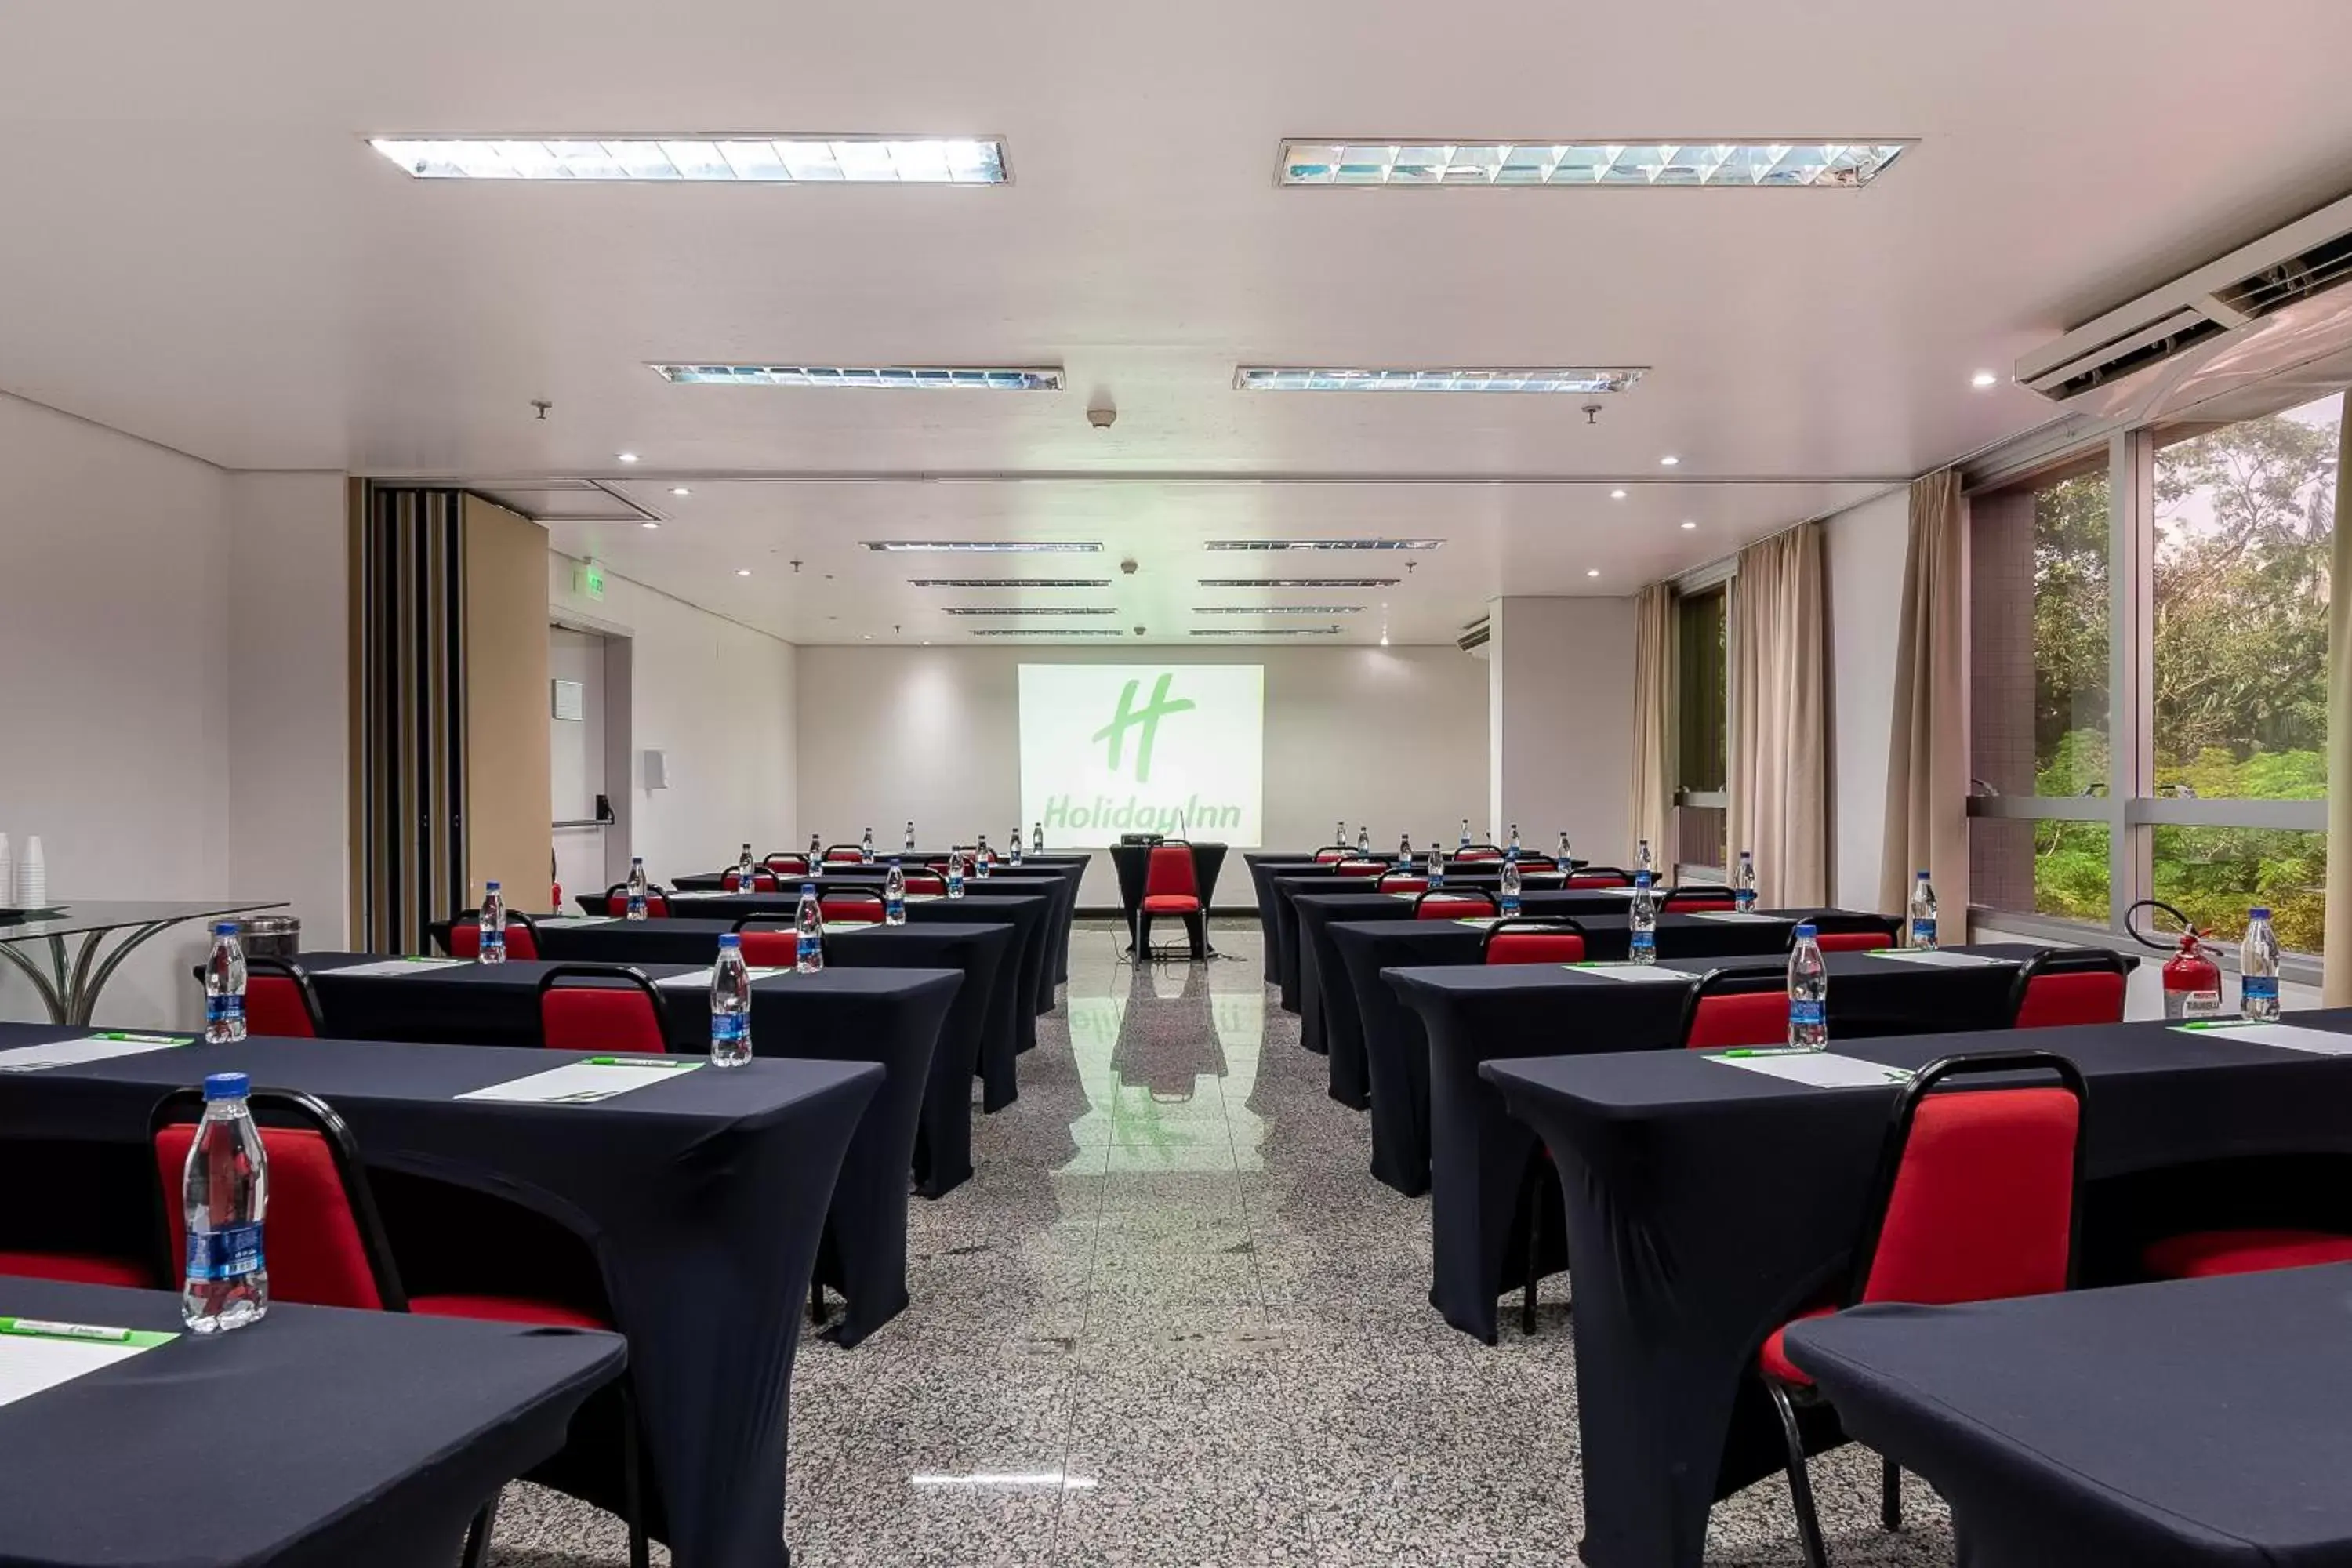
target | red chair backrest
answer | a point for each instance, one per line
(846, 907)
(1982, 1203)
(771, 949)
(1445, 906)
(1392, 883)
(274, 1005)
(1682, 903)
(1170, 874)
(762, 881)
(312, 1243)
(466, 940)
(1360, 868)
(1480, 852)
(598, 1018)
(2087, 997)
(1535, 947)
(840, 857)
(1741, 1018)
(657, 905)
(926, 882)
(1852, 940)
(787, 865)
(1599, 880)
(1325, 856)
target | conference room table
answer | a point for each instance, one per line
(1286, 885)
(1070, 865)
(220, 1452)
(1339, 976)
(1708, 1205)
(2198, 1423)
(888, 1017)
(698, 1200)
(977, 1035)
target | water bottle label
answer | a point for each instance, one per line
(729, 1028)
(1807, 1013)
(2260, 988)
(1645, 947)
(225, 1007)
(1923, 931)
(1744, 900)
(896, 909)
(1510, 907)
(230, 1254)
(806, 949)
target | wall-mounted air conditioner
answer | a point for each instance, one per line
(1473, 638)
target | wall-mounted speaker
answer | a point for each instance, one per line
(657, 769)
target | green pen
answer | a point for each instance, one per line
(132, 1040)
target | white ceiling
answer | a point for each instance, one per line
(197, 247)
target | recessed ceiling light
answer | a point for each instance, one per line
(988, 546)
(726, 160)
(1983, 379)
(1589, 164)
(1265, 631)
(1616, 494)
(1668, 461)
(1046, 632)
(1688, 524)
(649, 523)
(918, 378)
(624, 457)
(679, 490)
(1298, 582)
(1276, 609)
(742, 571)
(1268, 378)
(1323, 544)
(1592, 572)
(1035, 610)
(1008, 582)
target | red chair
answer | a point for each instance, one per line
(1585, 876)
(1691, 901)
(785, 864)
(1478, 852)
(1977, 1198)
(763, 880)
(1732, 1008)
(844, 855)
(1524, 939)
(278, 1000)
(1171, 888)
(78, 1268)
(466, 938)
(616, 901)
(930, 882)
(1401, 883)
(328, 1248)
(852, 907)
(1360, 869)
(2063, 985)
(1840, 932)
(771, 941)
(1437, 904)
(1537, 863)
(601, 1007)
(1333, 852)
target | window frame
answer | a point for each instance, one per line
(1716, 578)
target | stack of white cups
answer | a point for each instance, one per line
(33, 877)
(7, 872)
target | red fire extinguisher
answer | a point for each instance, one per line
(2193, 979)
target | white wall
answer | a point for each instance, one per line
(717, 699)
(1865, 548)
(1395, 737)
(1560, 722)
(174, 635)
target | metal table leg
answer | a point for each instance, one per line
(70, 992)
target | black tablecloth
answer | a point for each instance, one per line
(316, 1437)
(1474, 1157)
(978, 1035)
(1339, 981)
(1133, 864)
(889, 1016)
(701, 1200)
(1263, 867)
(1708, 1205)
(2196, 1425)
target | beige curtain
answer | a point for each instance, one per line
(2337, 990)
(1927, 760)
(1653, 719)
(1778, 753)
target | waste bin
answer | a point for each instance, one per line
(271, 936)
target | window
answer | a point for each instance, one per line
(1701, 725)
(2203, 782)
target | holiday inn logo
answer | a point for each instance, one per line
(1145, 718)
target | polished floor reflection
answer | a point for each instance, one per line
(1174, 1320)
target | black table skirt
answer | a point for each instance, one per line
(1477, 1158)
(1263, 869)
(2193, 1425)
(1708, 1205)
(978, 1036)
(701, 1200)
(889, 1016)
(128, 1467)
(1133, 864)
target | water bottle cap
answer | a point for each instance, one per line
(729, 940)
(1922, 876)
(1806, 932)
(227, 1085)
(807, 888)
(490, 886)
(2258, 913)
(226, 928)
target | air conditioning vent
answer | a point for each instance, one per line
(1474, 636)
(2313, 272)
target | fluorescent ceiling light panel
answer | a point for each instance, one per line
(1008, 582)
(1271, 378)
(1323, 544)
(989, 546)
(1299, 581)
(1046, 632)
(721, 159)
(1265, 631)
(1276, 609)
(1597, 164)
(913, 378)
(1032, 610)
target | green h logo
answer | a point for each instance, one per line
(1147, 718)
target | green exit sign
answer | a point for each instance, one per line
(589, 581)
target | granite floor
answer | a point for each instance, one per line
(1174, 1320)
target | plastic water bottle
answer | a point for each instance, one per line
(908, 846)
(635, 909)
(2258, 969)
(224, 1196)
(817, 855)
(225, 988)
(955, 873)
(1437, 866)
(1511, 850)
(1466, 834)
(980, 858)
(865, 848)
(1339, 831)
(1510, 902)
(1743, 884)
(730, 1005)
(1922, 914)
(492, 947)
(894, 896)
(1645, 922)
(808, 924)
(1013, 856)
(1641, 858)
(1404, 852)
(744, 867)
(1036, 838)
(1809, 992)
(1566, 858)
(1364, 838)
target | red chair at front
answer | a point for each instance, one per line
(1587, 877)
(328, 1248)
(601, 1007)
(2063, 985)
(852, 909)
(278, 1000)
(762, 881)
(1524, 939)
(1437, 904)
(617, 902)
(1977, 1198)
(1731, 1007)
(1171, 888)
(466, 937)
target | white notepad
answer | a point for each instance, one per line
(1937, 957)
(89, 1049)
(585, 1082)
(1818, 1069)
(1738, 917)
(1639, 971)
(702, 976)
(35, 1355)
(400, 966)
(2285, 1036)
